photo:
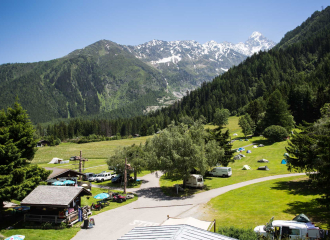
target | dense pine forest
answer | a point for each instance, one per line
(299, 67)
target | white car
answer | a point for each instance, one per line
(103, 177)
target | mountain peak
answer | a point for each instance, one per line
(255, 35)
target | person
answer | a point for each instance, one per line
(156, 173)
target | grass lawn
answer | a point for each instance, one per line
(62, 234)
(94, 150)
(254, 205)
(273, 153)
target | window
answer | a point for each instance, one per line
(199, 179)
(294, 232)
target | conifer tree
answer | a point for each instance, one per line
(277, 112)
(17, 147)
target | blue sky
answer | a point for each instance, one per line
(34, 30)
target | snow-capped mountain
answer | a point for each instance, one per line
(186, 64)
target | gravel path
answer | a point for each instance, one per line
(152, 208)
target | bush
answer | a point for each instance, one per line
(238, 233)
(275, 133)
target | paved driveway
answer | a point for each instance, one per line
(152, 208)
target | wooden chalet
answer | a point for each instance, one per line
(68, 174)
(43, 143)
(55, 204)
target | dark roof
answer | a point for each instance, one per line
(60, 196)
(177, 232)
(58, 171)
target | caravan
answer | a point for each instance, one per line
(195, 180)
(221, 172)
(298, 228)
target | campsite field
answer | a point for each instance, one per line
(94, 150)
(254, 205)
(271, 151)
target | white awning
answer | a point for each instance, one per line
(189, 221)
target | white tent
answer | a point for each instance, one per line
(255, 146)
(55, 161)
(235, 134)
(246, 167)
(189, 221)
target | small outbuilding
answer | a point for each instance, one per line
(264, 168)
(43, 143)
(54, 204)
(63, 174)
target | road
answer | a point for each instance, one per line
(152, 208)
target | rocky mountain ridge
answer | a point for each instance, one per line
(187, 64)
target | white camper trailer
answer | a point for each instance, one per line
(298, 228)
(195, 180)
(221, 172)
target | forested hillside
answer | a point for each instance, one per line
(300, 71)
(97, 79)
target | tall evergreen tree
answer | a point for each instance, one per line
(17, 147)
(277, 112)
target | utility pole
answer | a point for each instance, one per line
(125, 173)
(81, 161)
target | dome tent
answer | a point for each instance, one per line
(265, 168)
(248, 151)
(284, 161)
(263, 160)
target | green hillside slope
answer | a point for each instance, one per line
(97, 79)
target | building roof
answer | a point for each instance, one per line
(57, 172)
(60, 196)
(189, 221)
(175, 232)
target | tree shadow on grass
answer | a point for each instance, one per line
(303, 187)
(263, 141)
(316, 212)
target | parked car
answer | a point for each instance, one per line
(104, 176)
(86, 176)
(195, 180)
(221, 172)
(92, 179)
(119, 178)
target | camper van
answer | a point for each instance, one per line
(281, 229)
(221, 172)
(195, 180)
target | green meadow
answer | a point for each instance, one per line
(254, 205)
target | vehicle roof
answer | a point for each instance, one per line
(291, 224)
(195, 175)
(222, 167)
